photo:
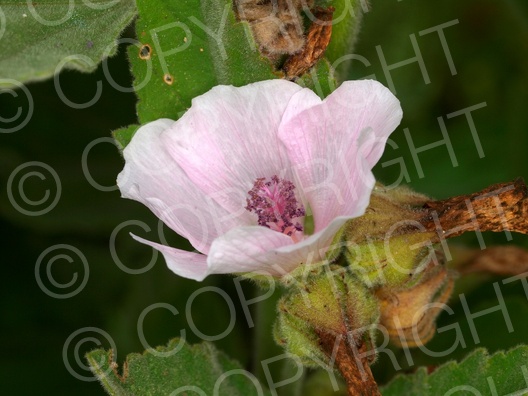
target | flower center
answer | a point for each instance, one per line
(275, 205)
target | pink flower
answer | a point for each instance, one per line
(245, 170)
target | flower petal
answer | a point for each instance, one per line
(261, 250)
(246, 249)
(334, 144)
(228, 139)
(152, 177)
(187, 264)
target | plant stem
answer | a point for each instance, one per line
(354, 368)
(500, 207)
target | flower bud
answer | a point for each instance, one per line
(410, 315)
(387, 246)
(328, 300)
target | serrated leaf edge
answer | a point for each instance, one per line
(422, 371)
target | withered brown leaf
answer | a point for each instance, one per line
(317, 41)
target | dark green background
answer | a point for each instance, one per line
(489, 48)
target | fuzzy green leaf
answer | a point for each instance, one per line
(478, 374)
(174, 369)
(187, 47)
(37, 39)
(346, 23)
(123, 136)
(319, 79)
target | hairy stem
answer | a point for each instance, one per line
(501, 207)
(348, 360)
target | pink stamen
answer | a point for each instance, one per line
(275, 205)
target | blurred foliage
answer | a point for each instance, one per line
(488, 46)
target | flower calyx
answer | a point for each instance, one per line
(327, 318)
(388, 246)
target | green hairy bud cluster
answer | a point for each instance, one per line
(382, 271)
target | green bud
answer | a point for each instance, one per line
(382, 269)
(330, 300)
(298, 339)
(387, 246)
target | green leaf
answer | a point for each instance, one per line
(174, 369)
(347, 19)
(478, 374)
(188, 47)
(123, 136)
(319, 79)
(42, 37)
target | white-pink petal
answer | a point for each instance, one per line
(261, 250)
(228, 139)
(152, 177)
(247, 249)
(333, 145)
(183, 263)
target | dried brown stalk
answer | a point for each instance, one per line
(355, 371)
(317, 40)
(500, 207)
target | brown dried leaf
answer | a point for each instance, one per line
(402, 313)
(317, 40)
